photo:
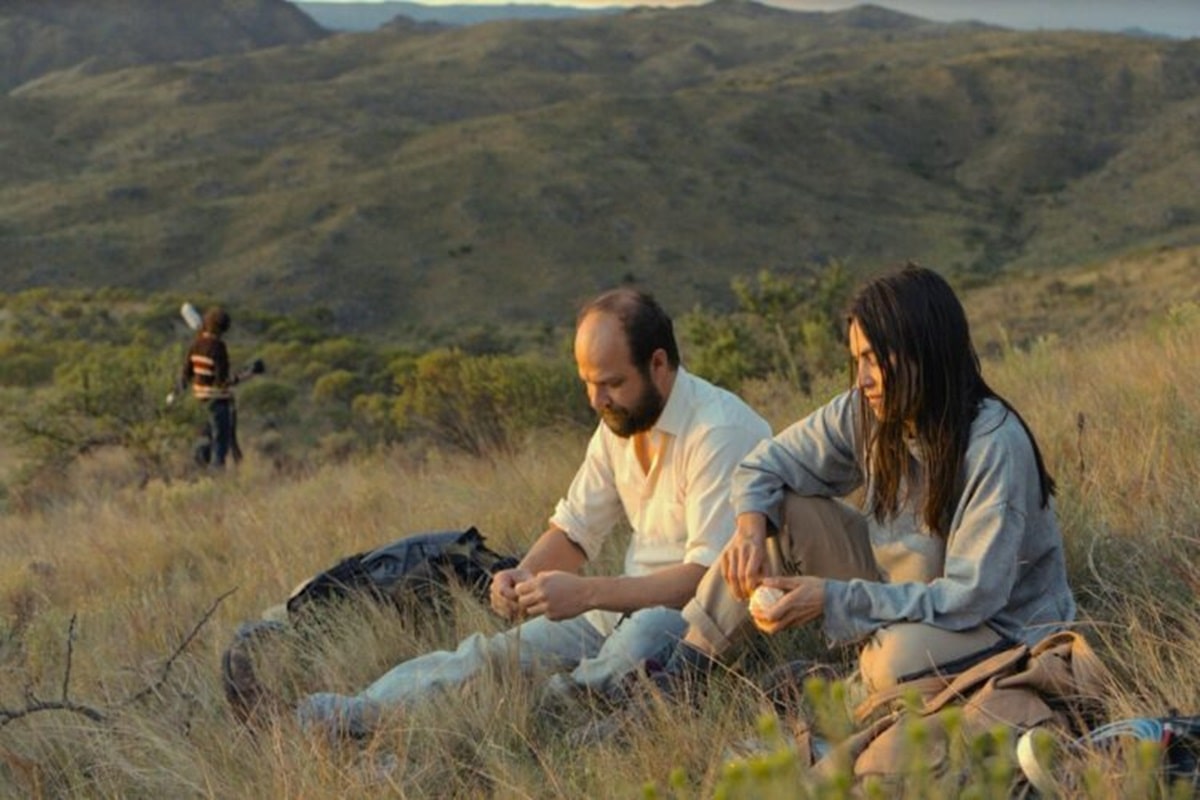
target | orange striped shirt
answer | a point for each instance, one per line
(207, 368)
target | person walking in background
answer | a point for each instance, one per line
(206, 371)
(956, 551)
(661, 459)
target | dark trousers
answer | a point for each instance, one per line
(220, 434)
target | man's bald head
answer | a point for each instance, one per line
(645, 325)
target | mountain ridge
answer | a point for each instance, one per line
(37, 38)
(361, 17)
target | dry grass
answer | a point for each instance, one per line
(140, 569)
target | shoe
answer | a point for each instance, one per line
(340, 718)
(251, 701)
(683, 678)
(646, 689)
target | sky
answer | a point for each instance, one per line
(1180, 18)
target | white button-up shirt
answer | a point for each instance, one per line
(679, 511)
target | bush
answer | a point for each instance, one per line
(25, 370)
(370, 415)
(106, 397)
(267, 397)
(789, 327)
(343, 353)
(338, 386)
(480, 403)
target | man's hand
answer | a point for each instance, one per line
(555, 594)
(804, 602)
(504, 591)
(743, 559)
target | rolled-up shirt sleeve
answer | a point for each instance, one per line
(591, 506)
(814, 457)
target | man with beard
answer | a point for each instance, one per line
(662, 458)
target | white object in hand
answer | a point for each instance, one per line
(763, 598)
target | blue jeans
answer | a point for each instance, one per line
(219, 434)
(595, 662)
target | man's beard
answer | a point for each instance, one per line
(625, 422)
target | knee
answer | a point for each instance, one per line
(892, 654)
(877, 663)
(905, 650)
(481, 646)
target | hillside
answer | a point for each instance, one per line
(38, 37)
(409, 180)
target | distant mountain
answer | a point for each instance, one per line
(1136, 31)
(41, 36)
(413, 181)
(1174, 18)
(371, 16)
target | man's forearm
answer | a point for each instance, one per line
(671, 587)
(553, 550)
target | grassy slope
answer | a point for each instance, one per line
(498, 173)
(141, 568)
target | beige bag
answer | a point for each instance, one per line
(1057, 683)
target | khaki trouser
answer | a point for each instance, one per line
(830, 539)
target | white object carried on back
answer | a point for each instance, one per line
(191, 315)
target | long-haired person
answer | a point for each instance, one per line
(954, 550)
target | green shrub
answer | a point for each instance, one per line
(25, 370)
(343, 353)
(371, 418)
(784, 326)
(266, 396)
(477, 403)
(338, 386)
(106, 397)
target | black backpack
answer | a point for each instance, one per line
(412, 574)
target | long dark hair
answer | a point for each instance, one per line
(932, 386)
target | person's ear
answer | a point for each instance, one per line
(658, 361)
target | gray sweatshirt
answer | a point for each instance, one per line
(1003, 561)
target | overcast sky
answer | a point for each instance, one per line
(1172, 17)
